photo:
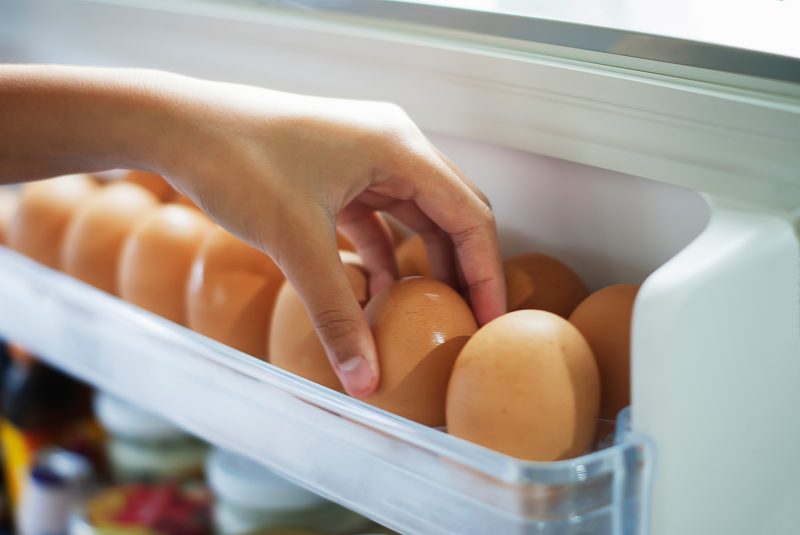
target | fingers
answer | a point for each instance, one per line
(372, 239)
(311, 263)
(437, 243)
(451, 204)
(470, 184)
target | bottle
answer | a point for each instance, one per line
(58, 483)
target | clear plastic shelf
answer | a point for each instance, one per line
(409, 477)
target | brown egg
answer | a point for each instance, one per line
(412, 259)
(526, 384)
(232, 291)
(96, 234)
(419, 325)
(45, 209)
(157, 258)
(153, 182)
(293, 342)
(9, 200)
(540, 282)
(604, 319)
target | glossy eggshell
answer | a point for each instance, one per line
(153, 182)
(9, 200)
(526, 384)
(232, 291)
(604, 319)
(293, 343)
(43, 214)
(540, 282)
(412, 258)
(419, 326)
(157, 259)
(96, 234)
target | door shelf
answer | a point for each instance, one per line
(409, 477)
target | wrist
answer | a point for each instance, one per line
(158, 127)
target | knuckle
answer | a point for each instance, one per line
(467, 236)
(476, 234)
(334, 324)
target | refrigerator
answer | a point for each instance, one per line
(654, 145)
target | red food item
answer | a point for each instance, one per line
(165, 509)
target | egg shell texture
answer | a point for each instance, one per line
(232, 291)
(157, 259)
(44, 211)
(540, 282)
(526, 384)
(95, 236)
(419, 326)
(604, 319)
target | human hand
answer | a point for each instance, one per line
(277, 169)
(282, 170)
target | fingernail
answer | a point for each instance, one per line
(357, 376)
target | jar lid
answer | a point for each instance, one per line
(247, 484)
(125, 419)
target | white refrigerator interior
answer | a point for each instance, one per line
(628, 169)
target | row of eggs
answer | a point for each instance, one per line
(533, 383)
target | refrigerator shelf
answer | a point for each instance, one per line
(409, 477)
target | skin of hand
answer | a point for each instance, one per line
(279, 170)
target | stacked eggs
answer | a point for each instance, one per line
(139, 239)
(537, 383)
(542, 382)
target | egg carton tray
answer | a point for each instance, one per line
(409, 477)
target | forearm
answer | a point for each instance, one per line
(60, 120)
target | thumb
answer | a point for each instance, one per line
(316, 271)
